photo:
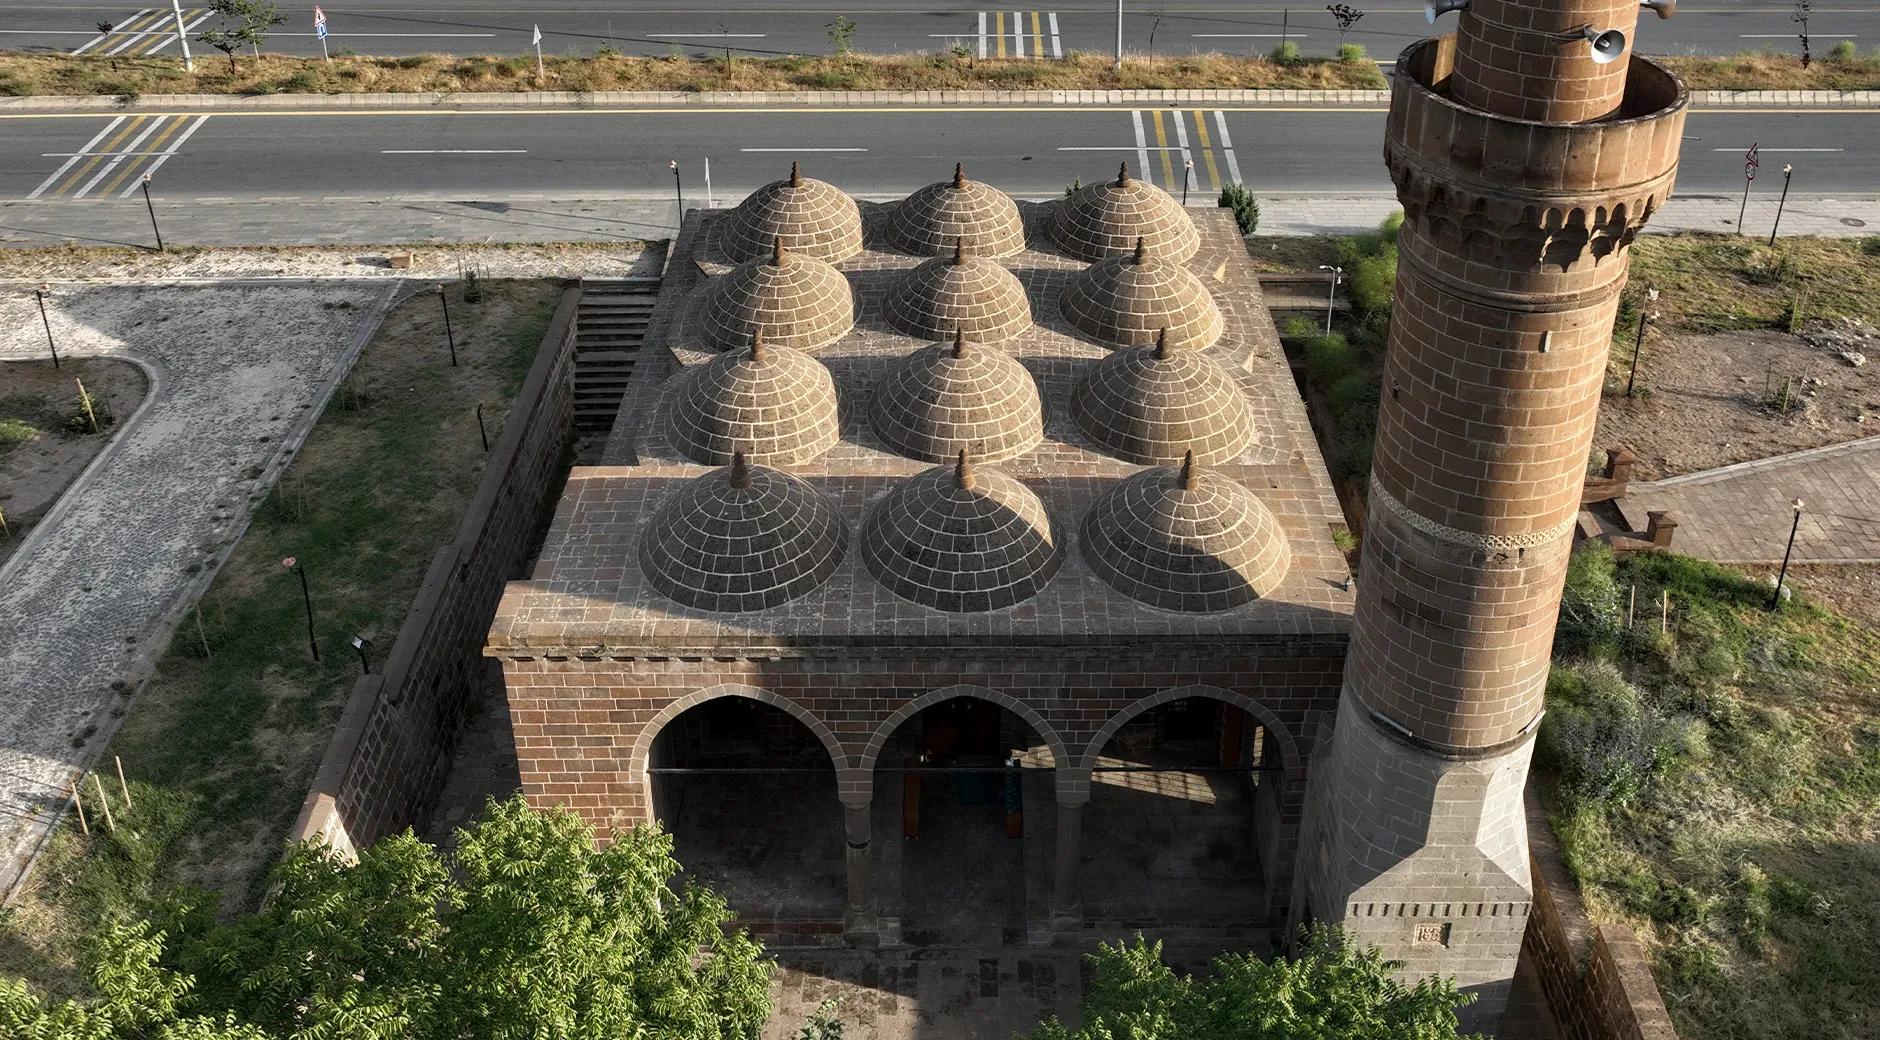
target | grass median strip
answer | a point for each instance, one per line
(221, 744)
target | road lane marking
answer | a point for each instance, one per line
(1783, 149)
(101, 37)
(402, 36)
(73, 161)
(1207, 148)
(1018, 34)
(1790, 36)
(1248, 36)
(111, 186)
(802, 149)
(1227, 146)
(1142, 146)
(1161, 140)
(998, 28)
(164, 39)
(91, 164)
(151, 31)
(116, 160)
(694, 112)
(171, 151)
(1057, 42)
(453, 151)
(982, 34)
(705, 36)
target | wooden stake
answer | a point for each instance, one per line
(1664, 612)
(4, 533)
(1631, 608)
(78, 802)
(122, 786)
(201, 635)
(98, 785)
(85, 399)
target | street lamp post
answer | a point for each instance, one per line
(1775, 598)
(313, 644)
(1788, 173)
(450, 336)
(1188, 177)
(40, 292)
(153, 213)
(1638, 345)
(678, 190)
(1331, 295)
(361, 644)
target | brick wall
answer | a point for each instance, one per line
(584, 727)
(1597, 978)
(392, 751)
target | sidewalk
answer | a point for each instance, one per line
(829, 99)
(1742, 513)
(538, 218)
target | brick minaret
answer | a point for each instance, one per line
(1525, 169)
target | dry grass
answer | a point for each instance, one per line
(1777, 72)
(33, 74)
(222, 743)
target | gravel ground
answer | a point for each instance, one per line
(428, 262)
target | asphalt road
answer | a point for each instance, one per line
(776, 27)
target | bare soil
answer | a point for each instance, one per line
(44, 448)
(430, 262)
(1715, 400)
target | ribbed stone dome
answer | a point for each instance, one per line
(795, 301)
(983, 218)
(956, 397)
(742, 538)
(1152, 405)
(1106, 219)
(1129, 300)
(776, 405)
(959, 293)
(811, 217)
(958, 540)
(1186, 539)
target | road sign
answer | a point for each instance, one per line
(319, 23)
(1750, 162)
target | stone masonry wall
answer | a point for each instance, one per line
(1597, 979)
(391, 753)
(584, 727)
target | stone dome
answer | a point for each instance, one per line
(959, 293)
(949, 398)
(1187, 539)
(1106, 219)
(776, 405)
(795, 301)
(811, 217)
(1129, 300)
(958, 540)
(1152, 405)
(983, 218)
(742, 538)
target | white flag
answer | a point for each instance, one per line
(538, 36)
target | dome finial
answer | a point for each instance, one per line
(1122, 174)
(796, 174)
(959, 341)
(1191, 474)
(1161, 345)
(777, 253)
(959, 175)
(757, 344)
(963, 472)
(740, 470)
(959, 250)
(1142, 251)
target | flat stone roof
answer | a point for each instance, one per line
(588, 596)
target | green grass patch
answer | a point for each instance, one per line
(15, 432)
(223, 741)
(1715, 781)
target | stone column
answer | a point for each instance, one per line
(1067, 898)
(858, 912)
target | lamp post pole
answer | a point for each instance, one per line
(41, 292)
(1638, 345)
(1119, 34)
(1788, 173)
(154, 229)
(1775, 598)
(306, 597)
(1331, 295)
(678, 189)
(450, 336)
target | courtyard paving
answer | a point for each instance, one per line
(1742, 513)
(238, 374)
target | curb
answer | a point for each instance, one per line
(821, 99)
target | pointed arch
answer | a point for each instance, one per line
(1060, 756)
(643, 744)
(1288, 746)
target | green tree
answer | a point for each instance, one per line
(1330, 990)
(525, 930)
(240, 22)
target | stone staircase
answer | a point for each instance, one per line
(610, 327)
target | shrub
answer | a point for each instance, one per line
(1843, 51)
(1246, 208)
(16, 431)
(1352, 53)
(1870, 245)
(1286, 53)
(1328, 359)
(418, 61)
(1296, 327)
(1372, 280)
(302, 82)
(1357, 390)
(830, 79)
(10, 87)
(1605, 744)
(1765, 266)
(1390, 226)
(1591, 605)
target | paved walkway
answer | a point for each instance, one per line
(1742, 513)
(540, 218)
(237, 375)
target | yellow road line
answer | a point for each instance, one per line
(1037, 37)
(85, 168)
(154, 145)
(999, 28)
(1161, 144)
(145, 25)
(1207, 148)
